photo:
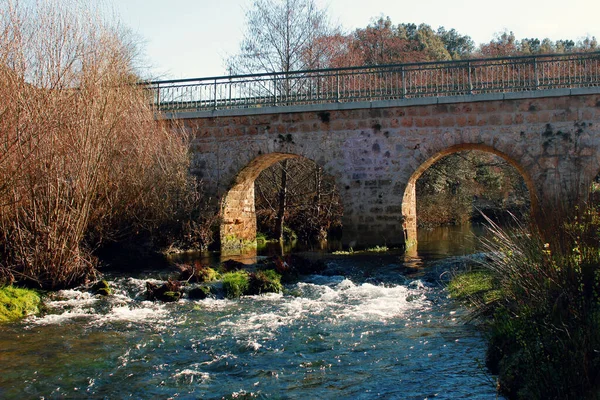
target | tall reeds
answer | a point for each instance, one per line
(545, 323)
(82, 159)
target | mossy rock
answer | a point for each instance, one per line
(102, 288)
(200, 293)
(17, 303)
(268, 281)
(169, 297)
(236, 284)
(197, 273)
(170, 291)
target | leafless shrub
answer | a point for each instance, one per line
(83, 160)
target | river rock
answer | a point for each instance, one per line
(101, 288)
(200, 293)
(170, 291)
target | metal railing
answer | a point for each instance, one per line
(373, 83)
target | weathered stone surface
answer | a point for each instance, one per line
(377, 154)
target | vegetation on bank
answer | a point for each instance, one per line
(17, 303)
(86, 167)
(539, 296)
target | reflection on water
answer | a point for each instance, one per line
(447, 241)
(435, 243)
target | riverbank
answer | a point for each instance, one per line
(538, 297)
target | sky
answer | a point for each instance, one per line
(193, 38)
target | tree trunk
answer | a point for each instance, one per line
(279, 221)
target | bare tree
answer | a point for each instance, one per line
(311, 203)
(282, 36)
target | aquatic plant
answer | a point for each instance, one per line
(17, 303)
(474, 286)
(377, 249)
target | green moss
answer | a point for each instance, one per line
(16, 303)
(472, 284)
(268, 281)
(231, 244)
(207, 274)
(236, 284)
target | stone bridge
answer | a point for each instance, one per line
(377, 148)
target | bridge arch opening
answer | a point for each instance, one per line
(459, 202)
(276, 192)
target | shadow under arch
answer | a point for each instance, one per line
(238, 211)
(409, 200)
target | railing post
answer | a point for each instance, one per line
(230, 87)
(403, 82)
(274, 90)
(535, 73)
(337, 84)
(158, 96)
(215, 94)
(470, 78)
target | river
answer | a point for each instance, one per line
(376, 327)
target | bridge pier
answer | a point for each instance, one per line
(238, 225)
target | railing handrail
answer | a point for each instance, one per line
(379, 82)
(373, 67)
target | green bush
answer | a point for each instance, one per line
(236, 284)
(16, 303)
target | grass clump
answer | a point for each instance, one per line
(475, 287)
(236, 284)
(17, 303)
(544, 328)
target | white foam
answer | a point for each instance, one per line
(151, 312)
(189, 375)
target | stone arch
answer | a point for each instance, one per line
(409, 200)
(238, 223)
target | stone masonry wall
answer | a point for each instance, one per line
(375, 153)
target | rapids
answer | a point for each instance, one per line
(390, 333)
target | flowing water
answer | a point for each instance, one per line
(374, 327)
